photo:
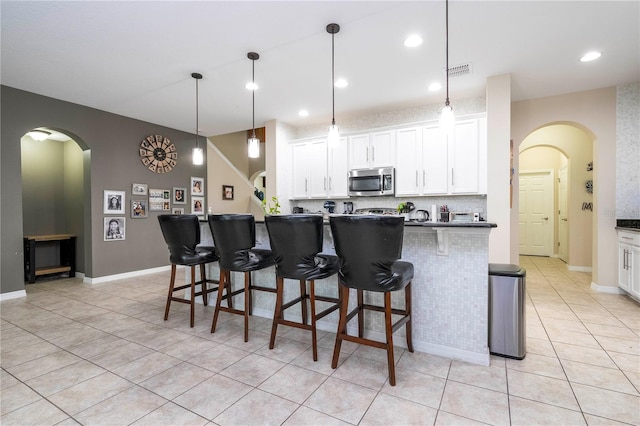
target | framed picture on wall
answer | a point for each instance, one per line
(113, 202)
(114, 228)
(197, 205)
(138, 209)
(179, 195)
(197, 186)
(157, 200)
(227, 192)
(177, 210)
(139, 189)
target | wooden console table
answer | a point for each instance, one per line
(67, 244)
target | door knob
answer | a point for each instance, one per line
(545, 218)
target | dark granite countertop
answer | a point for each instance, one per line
(628, 224)
(428, 224)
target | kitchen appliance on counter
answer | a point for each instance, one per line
(297, 210)
(330, 206)
(371, 182)
(348, 207)
(421, 216)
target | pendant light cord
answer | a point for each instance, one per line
(253, 98)
(197, 115)
(446, 38)
(333, 83)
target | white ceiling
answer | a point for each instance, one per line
(136, 58)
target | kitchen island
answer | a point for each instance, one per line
(450, 299)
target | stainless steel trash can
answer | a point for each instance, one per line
(507, 310)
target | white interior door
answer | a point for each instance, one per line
(563, 218)
(536, 208)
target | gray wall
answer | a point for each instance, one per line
(110, 154)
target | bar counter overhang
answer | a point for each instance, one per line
(450, 294)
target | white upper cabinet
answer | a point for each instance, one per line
(319, 171)
(468, 157)
(372, 150)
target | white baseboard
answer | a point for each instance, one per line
(13, 295)
(579, 268)
(606, 288)
(131, 274)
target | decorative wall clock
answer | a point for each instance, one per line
(158, 154)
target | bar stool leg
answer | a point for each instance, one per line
(277, 313)
(203, 285)
(342, 324)
(303, 301)
(172, 283)
(193, 293)
(314, 337)
(222, 285)
(407, 301)
(247, 304)
(388, 326)
(360, 313)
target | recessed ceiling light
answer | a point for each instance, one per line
(341, 82)
(251, 86)
(590, 56)
(303, 113)
(433, 87)
(413, 40)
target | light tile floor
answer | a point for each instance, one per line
(102, 355)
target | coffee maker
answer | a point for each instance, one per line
(330, 206)
(348, 207)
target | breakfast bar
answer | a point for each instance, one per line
(450, 288)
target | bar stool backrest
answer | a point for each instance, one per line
(182, 234)
(295, 241)
(233, 236)
(368, 246)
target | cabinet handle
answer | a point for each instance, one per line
(330, 183)
(416, 178)
(305, 186)
(373, 153)
(325, 183)
(424, 178)
(630, 259)
(452, 180)
(626, 238)
(367, 154)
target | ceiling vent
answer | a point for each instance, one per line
(458, 70)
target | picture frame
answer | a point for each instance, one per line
(179, 195)
(227, 192)
(177, 210)
(197, 206)
(157, 200)
(139, 189)
(114, 202)
(114, 228)
(197, 186)
(138, 209)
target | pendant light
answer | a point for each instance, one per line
(333, 138)
(253, 144)
(198, 153)
(447, 118)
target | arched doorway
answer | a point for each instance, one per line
(565, 151)
(55, 190)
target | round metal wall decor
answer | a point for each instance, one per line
(158, 154)
(588, 185)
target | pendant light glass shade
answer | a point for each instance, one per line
(253, 143)
(197, 155)
(447, 118)
(253, 147)
(333, 137)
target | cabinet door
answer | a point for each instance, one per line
(435, 161)
(464, 158)
(382, 149)
(338, 169)
(634, 271)
(317, 164)
(359, 151)
(408, 164)
(300, 171)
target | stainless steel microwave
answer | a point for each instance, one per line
(372, 182)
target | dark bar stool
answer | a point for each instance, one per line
(234, 236)
(369, 248)
(296, 241)
(182, 235)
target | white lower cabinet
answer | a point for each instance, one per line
(318, 171)
(629, 262)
